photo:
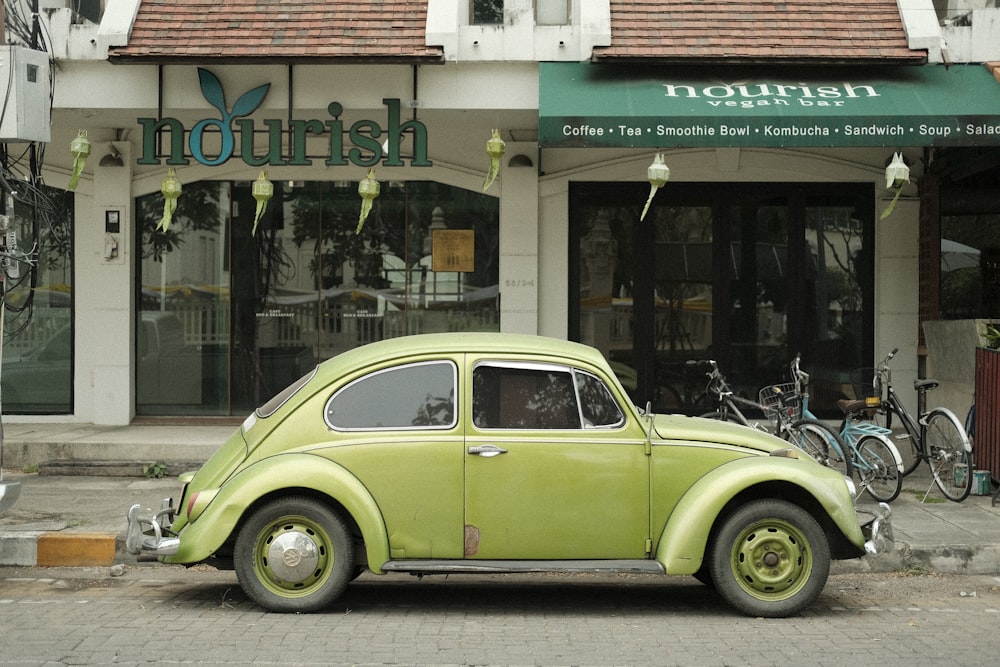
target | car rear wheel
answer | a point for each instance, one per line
(770, 558)
(294, 555)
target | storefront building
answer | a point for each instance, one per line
(771, 236)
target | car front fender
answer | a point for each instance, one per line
(684, 539)
(273, 476)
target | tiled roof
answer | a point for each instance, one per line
(279, 30)
(792, 31)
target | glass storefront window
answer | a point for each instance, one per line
(970, 238)
(183, 332)
(748, 275)
(250, 314)
(37, 369)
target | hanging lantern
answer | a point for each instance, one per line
(657, 174)
(80, 148)
(495, 148)
(368, 188)
(262, 191)
(170, 187)
(897, 174)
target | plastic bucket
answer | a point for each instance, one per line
(961, 470)
(981, 485)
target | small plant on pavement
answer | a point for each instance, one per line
(155, 470)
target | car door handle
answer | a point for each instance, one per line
(487, 451)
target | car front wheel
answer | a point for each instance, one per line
(293, 555)
(769, 558)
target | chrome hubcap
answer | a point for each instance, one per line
(293, 556)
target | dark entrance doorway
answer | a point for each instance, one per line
(748, 274)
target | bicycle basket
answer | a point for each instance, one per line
(781, 403)
(867, 383)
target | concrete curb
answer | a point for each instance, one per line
(103, 549)
(942, 559)
(59, 549)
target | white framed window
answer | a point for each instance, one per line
(552, 12)
(485, 12)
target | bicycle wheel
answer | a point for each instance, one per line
(821, 443)
(876, 462)
(947, 447)
(905, 443)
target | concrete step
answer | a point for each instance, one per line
(94, 468)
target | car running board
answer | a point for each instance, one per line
(638, 566)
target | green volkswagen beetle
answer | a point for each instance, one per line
(499, 453)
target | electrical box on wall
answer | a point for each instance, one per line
(24, 89)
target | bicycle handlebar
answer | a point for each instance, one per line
(799, 376)
(885, 362)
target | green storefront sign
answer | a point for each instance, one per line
(591, 105)
(233, 134)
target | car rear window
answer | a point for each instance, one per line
(404, 397)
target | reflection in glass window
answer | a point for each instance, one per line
(404, 397)
(598, 406)
(486, 12)
(38, 333)
(524, 398)
(183, 328)
(228, 318)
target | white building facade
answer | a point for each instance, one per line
(768, 239)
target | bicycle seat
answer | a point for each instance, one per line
(924, 384)
(849, 406)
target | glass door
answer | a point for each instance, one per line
(745, 274)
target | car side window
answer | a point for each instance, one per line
(418, 395)
(598, 407)
(524, 397)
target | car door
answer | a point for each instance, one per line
(398, 433)
(555, 467)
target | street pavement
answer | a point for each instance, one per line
(73, 515)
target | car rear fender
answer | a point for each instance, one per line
(283, 475)
(684, 539)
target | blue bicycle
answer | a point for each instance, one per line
(876, 460)
(787, 406)
(871, 455)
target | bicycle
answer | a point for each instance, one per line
(727, 401)
(787, 405)
(935, 436)
(876, 460)
(809, 435)
(860, 449)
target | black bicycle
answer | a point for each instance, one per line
(935, 436)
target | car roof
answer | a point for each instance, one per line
(465, 342)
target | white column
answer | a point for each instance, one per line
(519, 285)
(104, 290)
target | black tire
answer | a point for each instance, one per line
(947, 447)
(876, 465)
(821, 443)
(316, 559)
(704, 576)
(769, 558)
(904, 444)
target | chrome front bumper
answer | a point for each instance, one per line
(9, 492)
(876, 524)
(151, 533)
